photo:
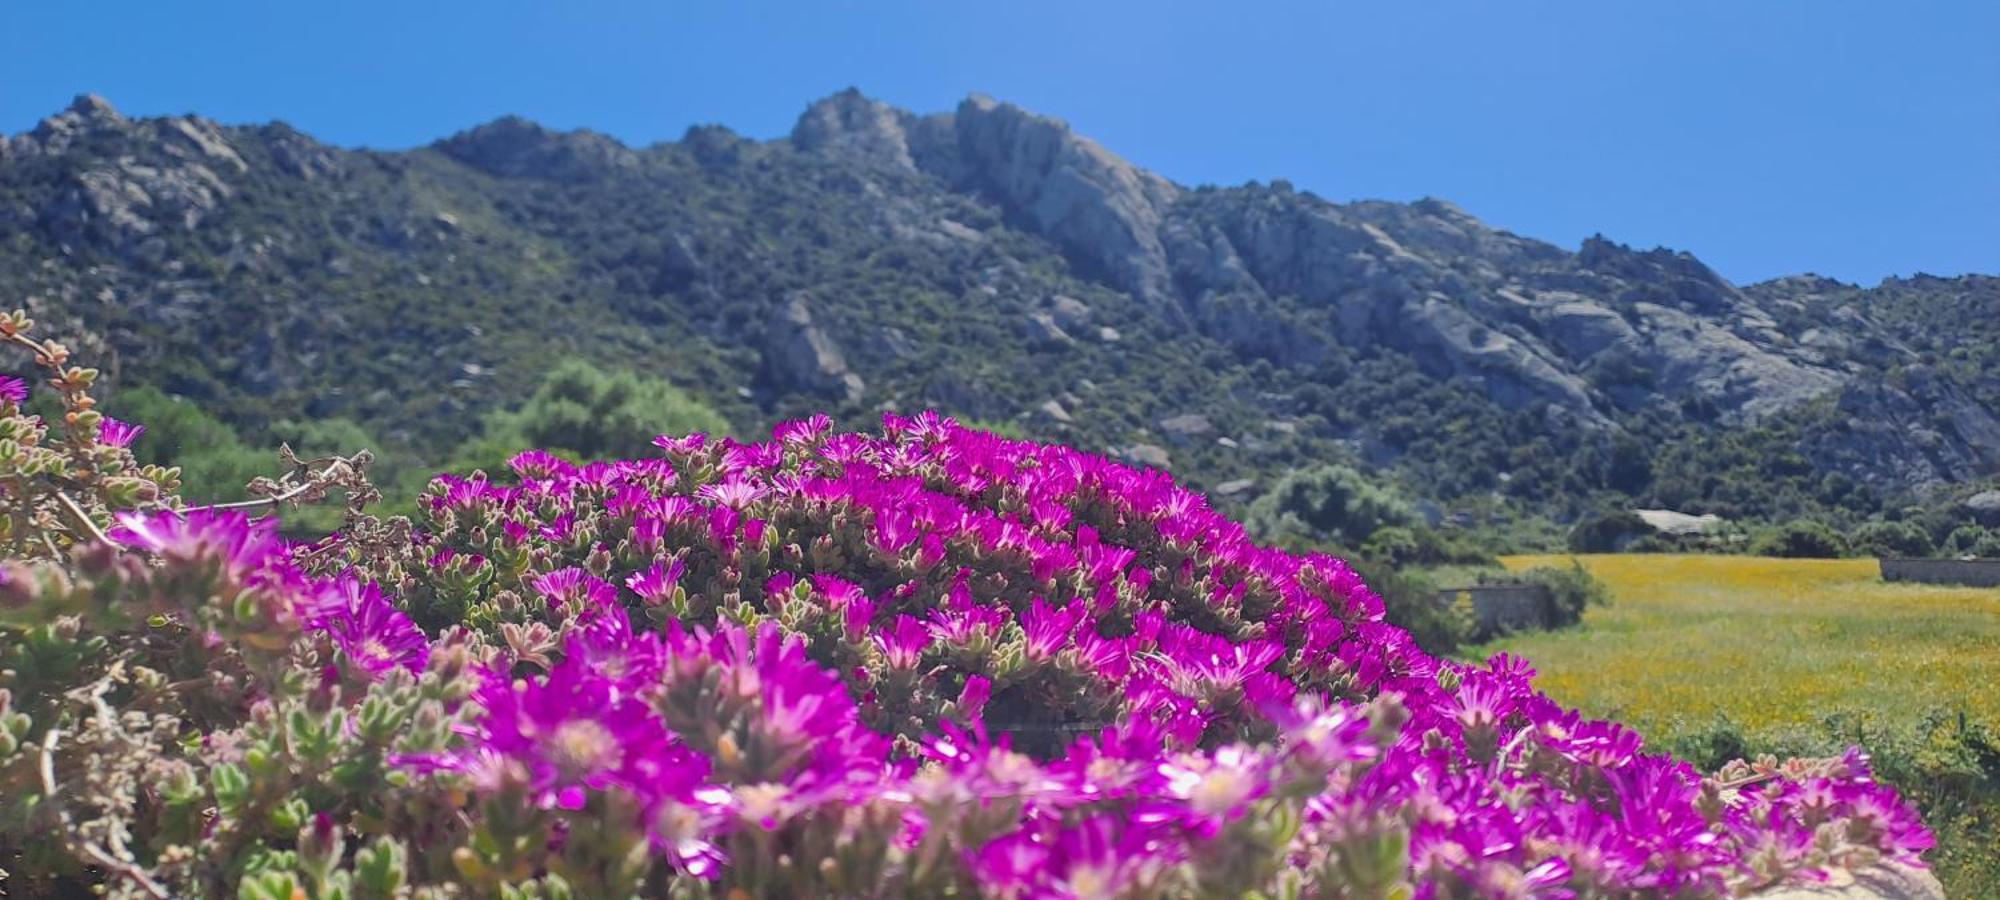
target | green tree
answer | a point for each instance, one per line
(215, 464)
(1607, 531)
(585, 412)
(1892, 539)
(1329, 503)
(1800, 539)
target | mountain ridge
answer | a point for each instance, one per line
(844, 263)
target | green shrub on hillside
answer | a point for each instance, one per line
(1971, 540)
(1891, 539)
(582, 412)
(597, 414)
(1329, 503)
(1800, 539)
(1572, 588)
(1416, 545)
(1607, 531)
(215, 463)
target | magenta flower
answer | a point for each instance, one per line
(1198, 664)
(894, 530)
(1008, 866)
(242, 549)
(13, 390)
(1883, 818)
(369, 630)
(846, 598)
(1483, 701)
(655, 585)
(904, 643)
(607, 647)
(681, 446)
(559, 529)
(1214, 789)
(452, 492)
(1109, 856)
(113, 433)
(1047, 630)
(1601, 745)
(573, 733)
(806, 730)
(802, 702)
(804, 431)
(740, 458)
(963, 622)
(627, 500)
(972, 698)
(542, 464)
(576, 592)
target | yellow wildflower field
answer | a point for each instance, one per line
(1772, 644)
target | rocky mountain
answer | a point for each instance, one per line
(994, 263)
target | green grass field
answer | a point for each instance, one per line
(1769, 643)
(1775, 649)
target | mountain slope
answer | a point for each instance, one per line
(986, 261)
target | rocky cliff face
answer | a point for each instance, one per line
(1104, 211)
(1592, 333)
(855, 261)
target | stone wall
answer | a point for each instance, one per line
(1506, 607)
(1973, 572)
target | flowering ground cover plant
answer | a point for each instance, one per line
(927, 661)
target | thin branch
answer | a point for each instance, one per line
(334, 469)
(273, 500)
(98, 854)
(83, 518)
(49, 765)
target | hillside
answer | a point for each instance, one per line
(994, 264)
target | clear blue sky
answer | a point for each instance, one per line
(1855, 139)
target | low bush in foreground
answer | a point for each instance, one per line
(1719, 657)
(931, 662)
(1947, 764)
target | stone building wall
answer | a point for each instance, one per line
(1973, 572)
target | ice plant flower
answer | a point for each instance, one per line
(655, 585)
(903, 644)
(113, 433)
(369, 630)
(241, 548)
(572, 733)
(576, 591)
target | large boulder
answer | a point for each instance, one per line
(1985, 507)
(799, 356)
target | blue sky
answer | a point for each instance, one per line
(1853, 139)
